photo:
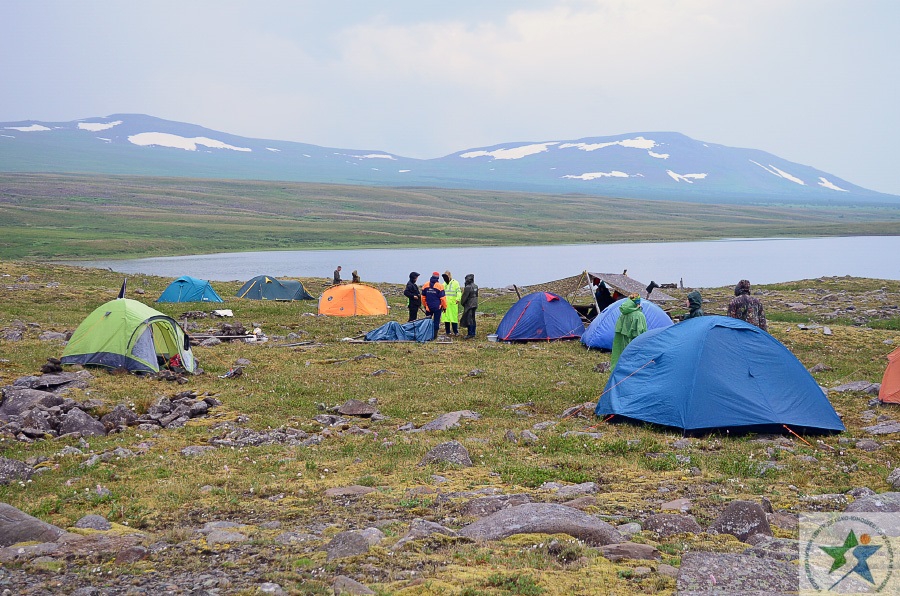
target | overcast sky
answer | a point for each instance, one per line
(813, 81)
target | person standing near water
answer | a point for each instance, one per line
(337, 276)
(469, 302)
(630, 324)
(413, 296)
(747, 308)
(434, 300)
(453, 293)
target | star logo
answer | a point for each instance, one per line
(860, 548)
(853, 549)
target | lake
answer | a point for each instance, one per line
(699, 264)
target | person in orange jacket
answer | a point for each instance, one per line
(434, 300)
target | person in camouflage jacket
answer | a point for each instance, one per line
(747, 308)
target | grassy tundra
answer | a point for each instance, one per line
(167, 496)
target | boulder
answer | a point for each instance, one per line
(880, 503)
(17, 400)
(742, 519)
(729, 573)
(18, 526)
(543, 518)
(345, 585)
(93, 522)
(782, 549)
(119, 417)
(420, 528)
(449, 420)
(630, 550)
(348, 544)
(894, 479)
(487, 505)
(12, 470)
(354, 407)
(670, 524)
(77, 420)
(452, 452)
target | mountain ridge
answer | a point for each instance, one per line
(642, 165)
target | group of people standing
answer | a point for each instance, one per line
(337, 277)
(443, 301)
(632, 322)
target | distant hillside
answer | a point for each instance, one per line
(649, 165)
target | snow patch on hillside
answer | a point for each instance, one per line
(164, 139)
(375, 156)
(635, 143)
(658, 155)
(98, 126)
(780, 173)
(595, 175)
(831, 185)
(32, 128)
(273, 150)
(689, 178)
(512, 152)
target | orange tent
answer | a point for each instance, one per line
(348, 300)
(890, 383)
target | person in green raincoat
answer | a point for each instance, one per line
(454, 294)
(630, 324)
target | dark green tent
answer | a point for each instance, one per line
(266, 287)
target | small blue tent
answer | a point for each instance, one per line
(540, 315)
(599, 334)
(716, 372)
(189, 289)
(266, 287)
(421, 330)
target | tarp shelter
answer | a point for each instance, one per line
(599, 334)
(189, 289)
(890, 383)
(540, 316)
(266, 287)
(348, 300)
(128, 334)
(716, 372)
(421, 330)
(625, 286)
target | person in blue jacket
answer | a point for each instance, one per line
(434, 300)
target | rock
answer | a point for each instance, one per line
(728, 573)
(569, 491)
(131, 554)
(887, 427)
(52, 336)
(670, 524)
(864, 386)
(543, 518)
(12, 470)
(294, 537)
(630, 550)
(349, 491)
(785, 521)
(893, 478)
(682, 505)
(354, 407)
(271, 588)
(119, 417)
(452, 452)
(347, 544)
(861, 491)
(420, 528)
(225, 537)
(77, 420)
(449, 420)
(18, 526)
(93, 522)
(879, 503)
(344, 585)
(868, 445)
(487, 505)
(528, 437)
(781, 549)
(667, 570)
(195, 450)
(741, 519)
(17, 400)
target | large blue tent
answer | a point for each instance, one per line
(540, 315)
(189, 289)
(420, 330)
(266, 287)
(599, 334)
(716, 372)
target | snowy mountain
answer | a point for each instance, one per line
(650, 165)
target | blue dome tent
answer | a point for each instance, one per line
(541, 315)
(716, 372)
(189, 289)
(266, 287)
(599, 334)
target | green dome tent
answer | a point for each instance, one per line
(128, 334)
(266, 287)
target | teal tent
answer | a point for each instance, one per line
(266, 287)
(189, 289)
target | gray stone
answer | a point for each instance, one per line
(868, 445)
(18, 400)
(12, 470)
(346, 544)
(420, 528)
(487, 505)
(344, 585)
(785, 521)
(225, 537)
(349, 491)
(630, 550)
(569, 491)
(449, 420)
(77, 420)
(528, 437)
(879, 503)
(629, 529)
(354, 407)
(742, 519)
(119, 417)
(52, 336)
(93, 522)
(543, 518)
(682, 505)
(893, 478)
(452, 452)
(18, 526)
(781, 549)
(864, 386)
(132, 554)
(887, 427)
(728, 573)
(195, 450)
(271, 588)
(670, 524)
(294, 537)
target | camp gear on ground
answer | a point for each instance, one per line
(189, 289)
(716, 372)
(420, 330)
(540, 316)
(130, 335)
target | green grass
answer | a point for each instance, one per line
(59, 217)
